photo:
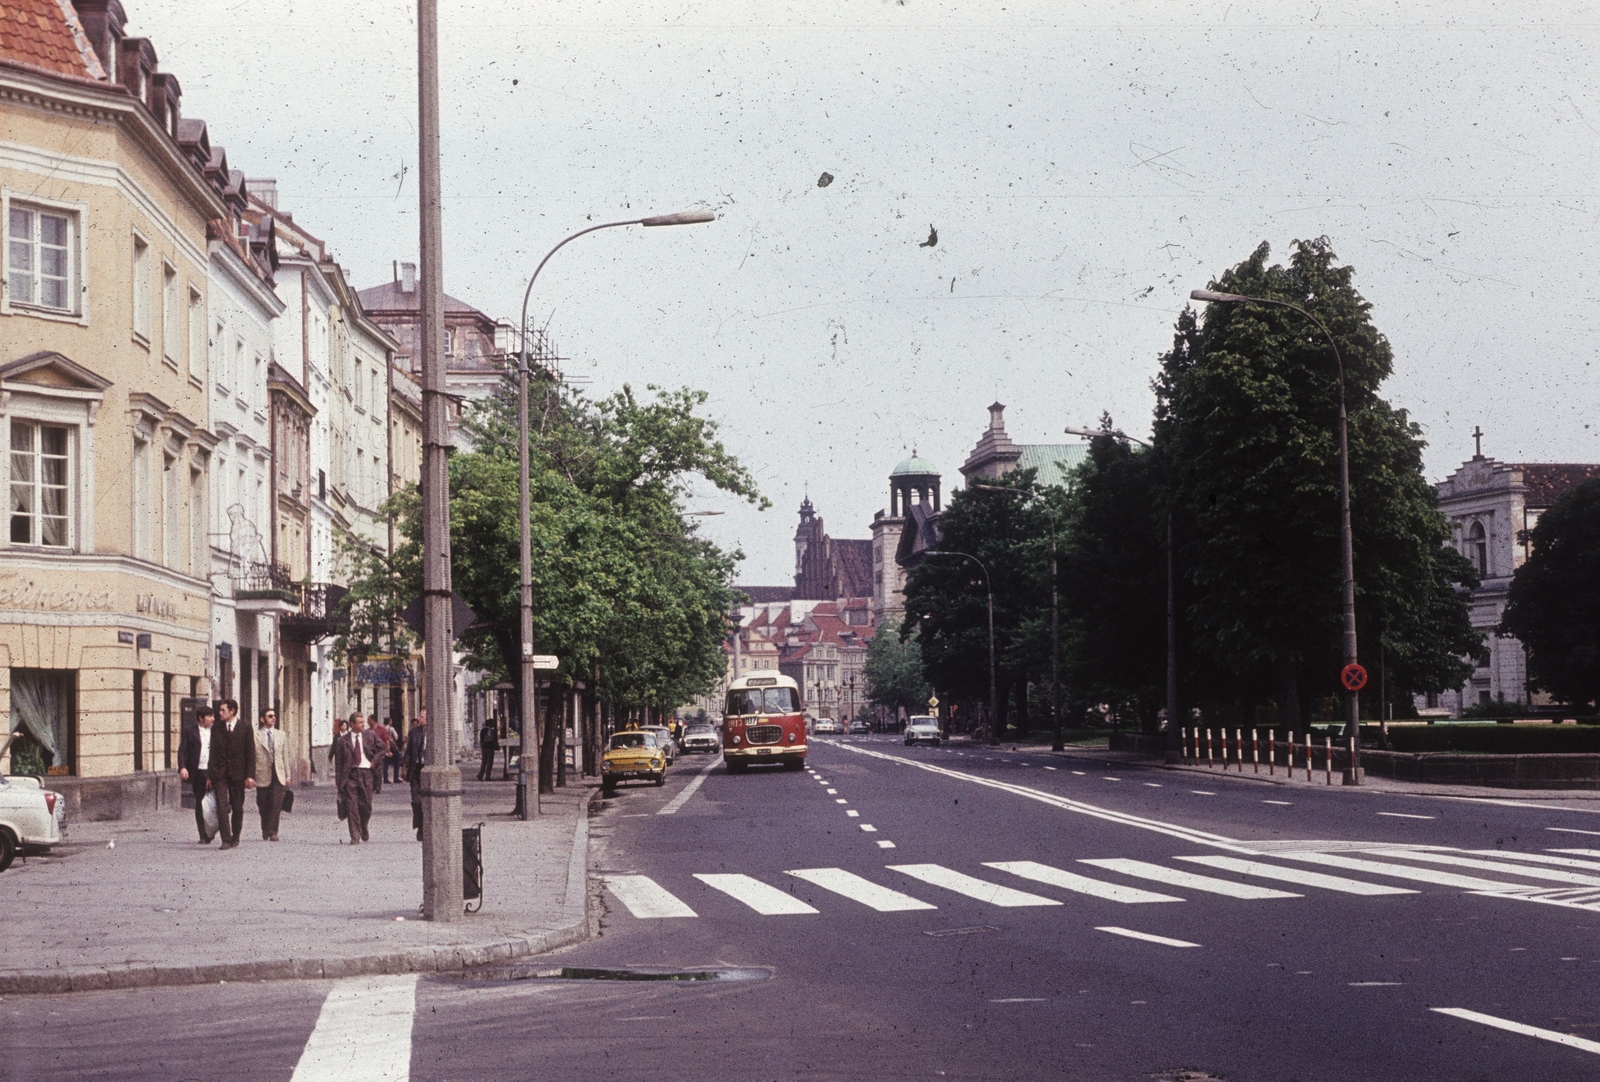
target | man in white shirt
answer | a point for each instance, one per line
(194, 765)
(354, 755)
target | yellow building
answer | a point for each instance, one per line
(104, 589)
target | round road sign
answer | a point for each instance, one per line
(1353, 677)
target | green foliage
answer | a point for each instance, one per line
(1554, 606)
(370, 612)
(893, 669)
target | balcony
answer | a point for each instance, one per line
(266, 587)
(317, 616)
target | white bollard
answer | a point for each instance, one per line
(1272, 751)
(1255, 751)
(1308, 755)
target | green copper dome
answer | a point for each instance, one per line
(914, 466)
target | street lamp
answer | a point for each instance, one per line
(1056, 743)
(994, 714)
(1172, 585)
(530, 747)
(1352, 699)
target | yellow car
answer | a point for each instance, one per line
(632, 755)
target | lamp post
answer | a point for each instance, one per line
(994, 732)
(1352, 699)
(530, 677)
(1172, 586)
(1056, 742)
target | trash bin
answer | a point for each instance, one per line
(472, 867)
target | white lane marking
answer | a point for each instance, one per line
(1141, 870)
(884, 843)
(688, 790)
(833, 792)
(1147, 937)
(1153, 784)
(1539, 858)
(1579, 852)
(1519, 804)
(1403, 815)
(1280, 803)
(1020, 999)
(1573, 830)
(839, 799)
(1079, 773)
(981, 889)
(767, 900)
(857, 889)
(1201, 792)
(1055, 877)
(1296, 875)
(1547, 874)
(869, 828)
(1110, 779)
(1399, 871)
(1580, 1043)
(1049, 768)
(1374, 984)
(645, 898)
(363, 1032)
(852, 813)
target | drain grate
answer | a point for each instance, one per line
(973, 930)
(633, 973)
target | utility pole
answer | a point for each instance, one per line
(441, 780)
(526, 805)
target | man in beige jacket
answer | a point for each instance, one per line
(272, 773)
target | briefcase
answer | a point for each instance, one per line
(288, 799)
(343, 811)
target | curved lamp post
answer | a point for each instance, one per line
(530, 747)
(1352, 699)
(1172, 587)
(994, 731)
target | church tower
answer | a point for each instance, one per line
(914, 483)
(812, 577)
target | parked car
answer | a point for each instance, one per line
(629, 756)
(663, 739)
(700, 736)
(825, 725)
(31, 817)
(858, 726)
(923, 727)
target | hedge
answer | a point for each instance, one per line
(1490, 739)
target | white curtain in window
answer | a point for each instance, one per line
(41, 706)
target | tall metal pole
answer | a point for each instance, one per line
(441, 780)
(1352, 699)
(1056, 743)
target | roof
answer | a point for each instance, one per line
(389, 297)
(764, 595)
(1054, 461)
(46, 35)
(1547, 482)
(853, 566)
(915, 466)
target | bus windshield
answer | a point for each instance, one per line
(764, 701)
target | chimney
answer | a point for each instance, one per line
(408, 277)
(103, 22)
(997, 418)
(266, 190)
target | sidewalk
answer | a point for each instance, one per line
(138, 902)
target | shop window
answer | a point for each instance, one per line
(41, 485)
(43, 712)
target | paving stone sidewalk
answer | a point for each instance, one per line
(139, 902)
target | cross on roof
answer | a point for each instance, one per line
(1477, 442)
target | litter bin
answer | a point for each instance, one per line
(472, 867)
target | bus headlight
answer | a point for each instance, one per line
(736, 741)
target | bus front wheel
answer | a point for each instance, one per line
(736, 766)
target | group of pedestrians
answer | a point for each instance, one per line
(220, 754)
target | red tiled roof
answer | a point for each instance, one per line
(46, 34)
(1549, 481)
(853, 561)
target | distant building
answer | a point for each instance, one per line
(1488, 504)
(826, 568)
(996, 455)
(914, 500)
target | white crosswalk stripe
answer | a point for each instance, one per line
(1579, 852)
(857, 889)
(1082, 884)
(767, 900)
(363, 1032)
(971, 886)
(1142, 870)
(1296, 875)
(1548, 874)
(1539, 858)
(645, 898)
(1398, 871)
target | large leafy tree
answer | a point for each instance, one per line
(893, 669)
(1554, 606)
(1247, 413)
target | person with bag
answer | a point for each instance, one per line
(194, 766)
(233, 770)
(272, 770)
(356, 753)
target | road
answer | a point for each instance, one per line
(966, 913)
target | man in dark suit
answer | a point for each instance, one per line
(194, 764)
(488, 744)
(233, 769)
(355, 755)
(416, 759)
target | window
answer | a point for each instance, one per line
(358, 383)
(197, 334)
(1478, 549)
(141, 288)
(220, 361)
(41, 485)
(40, 258)
(43, 706)
(171, 551)
(170, 335)
(377, 402)
(143, 509)
(238, 374)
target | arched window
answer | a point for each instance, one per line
(1478, 549)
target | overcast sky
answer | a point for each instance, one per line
(1085, 166)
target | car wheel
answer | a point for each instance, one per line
(608, 788)
(8, 849)
(936, 743)
(661, 779)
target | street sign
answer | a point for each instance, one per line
(1353, 677)
(933, 702)
(546, 661)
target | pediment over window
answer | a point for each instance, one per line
(49, 371)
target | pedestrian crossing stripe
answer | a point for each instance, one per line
(1140, 869)
(1082, 884)
(857, 889)
(767, 900)
(984, 891)
(1302, 876)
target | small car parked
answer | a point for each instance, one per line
(31, 817)
(632, 756)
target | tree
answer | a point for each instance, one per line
(893, 669)
(1247, 413)
(1554, 605)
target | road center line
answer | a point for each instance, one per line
(1580, 1043)
(362, 1033)
(1403, 815)
(688, 790)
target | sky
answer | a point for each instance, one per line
(1083, 165)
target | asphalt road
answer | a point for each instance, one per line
(1321, 934)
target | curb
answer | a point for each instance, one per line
(574, 928)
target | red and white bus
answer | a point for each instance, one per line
(763, 722)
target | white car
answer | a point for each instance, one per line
(922, 727)
(825, 725)
(31, 817)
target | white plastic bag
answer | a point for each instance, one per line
(209, 807)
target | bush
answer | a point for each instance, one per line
(1492, 739)
(1500, 709)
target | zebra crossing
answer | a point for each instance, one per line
(904, 888)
